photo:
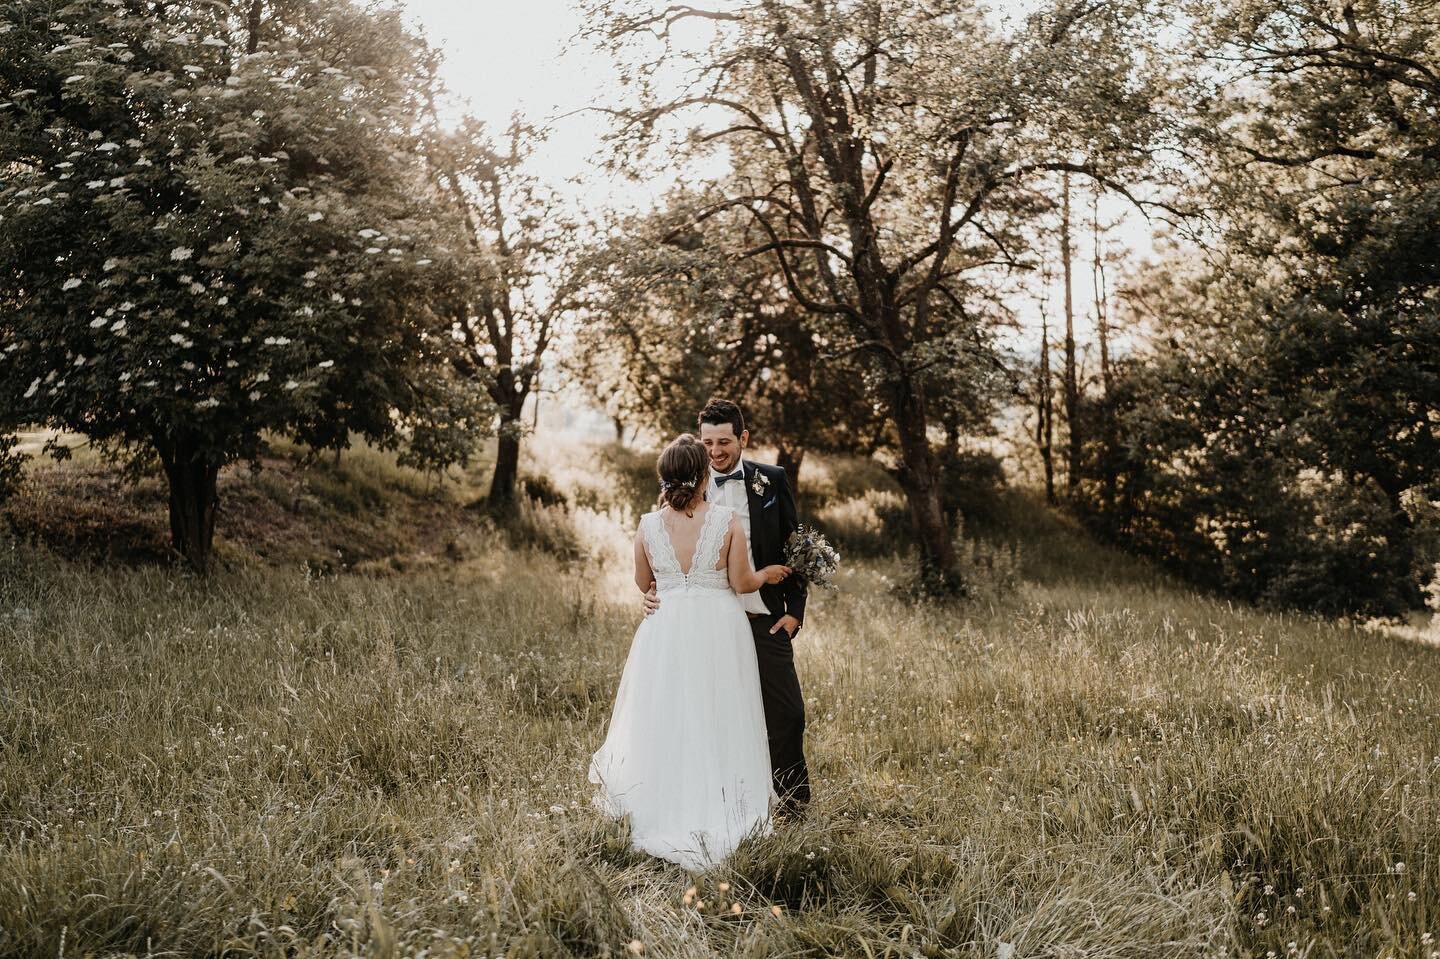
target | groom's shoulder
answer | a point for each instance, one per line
(771, 472)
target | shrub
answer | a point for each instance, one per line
(875, 523)
(542, 490)
(12, 464)
(969, 481)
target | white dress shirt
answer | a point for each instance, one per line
(734, 495)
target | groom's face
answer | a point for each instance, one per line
(723, 445)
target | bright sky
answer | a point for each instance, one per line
(505, 57)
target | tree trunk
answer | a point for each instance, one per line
(507, 461)
(790, 460)
(1072, 383)
(192, 504)
(919, 477)
(1102, 328)
(1045, 413)
(619, 429)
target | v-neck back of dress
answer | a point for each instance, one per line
(702, 572)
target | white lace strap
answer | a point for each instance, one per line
(662, 551)
(712, 537)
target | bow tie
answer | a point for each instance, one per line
(720, 480)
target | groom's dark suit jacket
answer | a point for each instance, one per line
(773, 518)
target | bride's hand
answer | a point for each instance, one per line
(775, 574)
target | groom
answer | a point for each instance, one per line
(762, 498)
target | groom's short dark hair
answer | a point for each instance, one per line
(719, 411)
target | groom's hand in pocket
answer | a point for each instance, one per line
(652, 600)
(787, 623)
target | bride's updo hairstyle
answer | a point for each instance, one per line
(682, 472)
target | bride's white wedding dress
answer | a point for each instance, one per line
(686, 755)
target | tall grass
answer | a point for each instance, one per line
(1096, 763)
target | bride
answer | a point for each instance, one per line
(686, 757)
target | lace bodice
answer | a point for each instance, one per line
(666, 565)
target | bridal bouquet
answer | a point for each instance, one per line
(812, 558)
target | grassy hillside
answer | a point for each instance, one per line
(386, 756)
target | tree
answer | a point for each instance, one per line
(214, 227)
(1073, 428)
(676, 317)
(1045, 396)
(888, 146)
(522, 247)
(1306, 329)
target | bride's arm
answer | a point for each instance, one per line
(644, 575)
(743, 577)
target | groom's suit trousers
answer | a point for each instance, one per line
(784, 711)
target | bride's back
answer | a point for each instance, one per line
(688, 550)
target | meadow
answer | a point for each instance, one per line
(372, 740)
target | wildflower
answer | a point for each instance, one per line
(70, 284)
(207, 404)
(735, 909)
(635, 947)
(310, 274)
(776, 910)
(1399, 868)
(291, 384)
(181, 253)
(723, 887)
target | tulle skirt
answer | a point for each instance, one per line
(686, 756)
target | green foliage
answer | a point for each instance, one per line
(211, 229)
(1281, 439)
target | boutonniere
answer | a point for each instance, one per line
(759, 483)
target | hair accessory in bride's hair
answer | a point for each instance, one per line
(666, 486)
